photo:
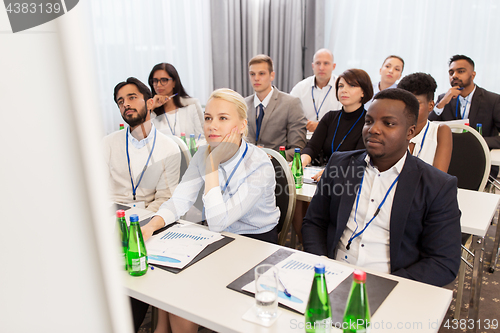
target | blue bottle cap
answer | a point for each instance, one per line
(297, 150)
(479, 125)
(319, 269)
(134, 218)
(191, 135)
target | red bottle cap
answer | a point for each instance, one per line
(467, 124)
(359, 275)
(120, 213)
(122, 125)
(282, 148)
(183, 134)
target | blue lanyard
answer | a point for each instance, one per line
(236, 167)
(423, 139)
(134, 189)
(314, 102)
(227, 182)
(335, 134)
(354, 234)
(175, 123)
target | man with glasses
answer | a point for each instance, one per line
(143, 163)
(317, 92)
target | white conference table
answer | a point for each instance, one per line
(199, 294)
(478, 210)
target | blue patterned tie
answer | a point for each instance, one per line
(463, 101)
(259, 121)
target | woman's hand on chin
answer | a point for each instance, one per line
(159, 100)
(226, 148)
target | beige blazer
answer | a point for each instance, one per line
(284, 123)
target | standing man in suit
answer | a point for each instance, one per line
(317, 92)
(274, 118)
(465, 100)
(383, 208)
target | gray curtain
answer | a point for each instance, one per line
(314, 32)
(231, 44)
(289, 31)
(280, 37)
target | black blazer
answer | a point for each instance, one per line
(425, 234)
(484, 109)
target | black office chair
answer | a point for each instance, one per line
(470, 158)
(470, 163)
(285, 193)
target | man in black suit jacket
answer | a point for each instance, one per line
(411, 228)
(481, 106)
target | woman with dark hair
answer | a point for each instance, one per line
(174, 110)
(338, 130)
(341, 130)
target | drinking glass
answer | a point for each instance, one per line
(266, 291)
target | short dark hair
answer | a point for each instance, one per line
(358, 78)
(262, 58)
(419, 84)
(461, 57)
(396, 57)
(178, 88)
(411, 102)
(143, 89)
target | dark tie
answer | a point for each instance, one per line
(259, 121)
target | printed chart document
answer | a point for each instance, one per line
(297, 273)
(309, 172)
(178, 245)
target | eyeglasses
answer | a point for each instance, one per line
(163, 81)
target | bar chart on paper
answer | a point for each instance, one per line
(180, 235)
(178, 245)
(297, 272)
(297, 265)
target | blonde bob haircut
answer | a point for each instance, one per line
(234, 98)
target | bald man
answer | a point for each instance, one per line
(317, 92)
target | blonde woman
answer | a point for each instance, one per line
(239, 183)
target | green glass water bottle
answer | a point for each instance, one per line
(123, 231)
(282, 152)
(465, 131)
(297, 170)
(192, 144)
(122, 126)
(183, 138)
(137, 257)
(318, 315)
(479, 128)
(357, 311)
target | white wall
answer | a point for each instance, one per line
(425, 33)
(59, 269)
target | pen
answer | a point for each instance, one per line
(285, 291)
(173, 95)
(199, 136)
